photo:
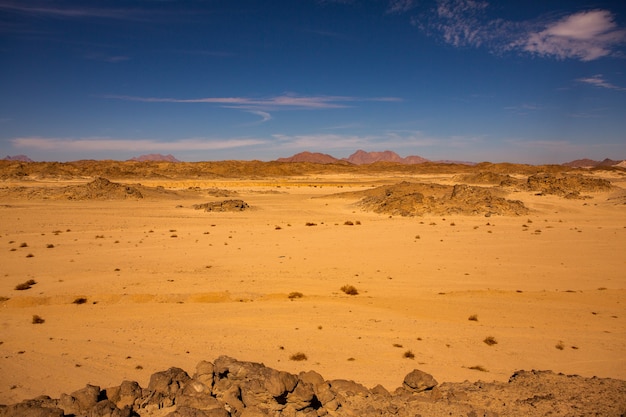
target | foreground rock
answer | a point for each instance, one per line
(230, 388)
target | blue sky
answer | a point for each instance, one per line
(519, 81)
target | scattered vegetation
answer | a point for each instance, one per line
(398, 345)
(350, 290)
(25, 285)
(37, 319)
(298, 357)
(80, 300)
(478, 368)
(310, 224)
(473, 317)
(49, 246)
(560, 345)
(408, 354)
(348, 223)
(490, 340)
(30, 255)
(295, 294)
(24, 245)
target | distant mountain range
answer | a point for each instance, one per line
(359, 157)
(21, 158)
(362, 157)
(154, 157)
(590, 163)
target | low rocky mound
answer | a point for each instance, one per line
(98, 189)
(230, 388)
(568, 186)
(102, 189)
(417, 199)
(226, 205)
(486, 177)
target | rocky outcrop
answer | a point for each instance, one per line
(568, 186)
(417, 199)
(226, 205)
(231, 388)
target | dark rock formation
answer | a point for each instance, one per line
(226, 205)
(230, 388)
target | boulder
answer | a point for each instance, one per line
(418, 381)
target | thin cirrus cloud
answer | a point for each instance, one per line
(49, 10)
(106, 144)
(599, 81)
(584, 36)
(277, 102)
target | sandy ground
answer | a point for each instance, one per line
(166, 285)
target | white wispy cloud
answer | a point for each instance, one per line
(599, 81)
(584, 36)
(265, 116)
(287, 101)
(134, 145)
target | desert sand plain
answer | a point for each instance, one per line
(128, 287)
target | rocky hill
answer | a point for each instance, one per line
(312, 157)
(21, 158)
(590, 163)
(228, 388)
(155, 157)
(362, 157)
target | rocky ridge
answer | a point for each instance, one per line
(231, 388)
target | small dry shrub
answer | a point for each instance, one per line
(473, 317)
(490, 340)
(80, 300)
(30, 255)
(560, 345)
(348, 223)
(49, 246)
(299, 356)
(24, 245)
(350, 290)
(25, 285)
(37, 319)
(398, 345)
(478, 368)
(408, 354)
(295, 294)
(310, 224)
